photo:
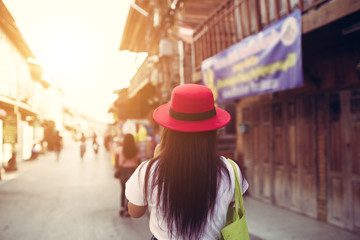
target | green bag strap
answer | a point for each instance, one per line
(238, 193)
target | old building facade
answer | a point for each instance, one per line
(28, 100)
(298, 146)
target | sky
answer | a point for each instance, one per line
(77, 43)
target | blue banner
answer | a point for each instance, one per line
(265, 62)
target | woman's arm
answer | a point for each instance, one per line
(136, 211)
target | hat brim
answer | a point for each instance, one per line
(161, 116)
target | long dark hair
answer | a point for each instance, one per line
(187, 177)
(129, 146)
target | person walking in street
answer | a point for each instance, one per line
(82, 146)
(58, 145)
(95, 144)
(187, 187)
(128, 160)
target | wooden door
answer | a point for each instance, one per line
(354, 160)
(292, 155)
(300, 155)
(256, 149)
(266, 186)
(280, 153)
(336, 202)
(344, 160)
(247, 147)
(278, 149)
(256, 135)
(306, 153)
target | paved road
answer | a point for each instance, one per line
(66, 199)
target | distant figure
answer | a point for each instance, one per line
(107, 142)
(127, 161)
(187, 187)
(58, 145)
(35, 151)
(82, 146)
(11, 165)
(94, 138)
(95, 144)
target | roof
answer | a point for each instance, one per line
(192, 13)
(136, 30)
(7, 23)
(139, 35)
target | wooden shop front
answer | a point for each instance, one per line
(300, 147)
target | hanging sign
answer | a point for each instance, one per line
(268, 61)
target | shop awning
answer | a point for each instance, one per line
(137, 29)
(22, 106)
(135, 88)
(139, 35)
(141, 79)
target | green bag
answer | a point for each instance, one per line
(236, 226)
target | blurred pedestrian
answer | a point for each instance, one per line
(35, 151)
(107, 142)
(95, 144)
(127, 161)
(58, 144)
(187, 187)
(11, 164)
(82, 146)
(94, 138)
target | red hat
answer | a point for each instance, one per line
(191, 109)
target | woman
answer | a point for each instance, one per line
(128, 160)
(186, 186)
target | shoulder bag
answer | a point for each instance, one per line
(236, 226)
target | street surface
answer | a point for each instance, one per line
(71, 198)
(79, 199)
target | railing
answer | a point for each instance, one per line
(236, 19)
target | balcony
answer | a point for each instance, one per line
(234, 20)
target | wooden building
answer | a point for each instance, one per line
(28, 99)
(301, 150)
(299, 147)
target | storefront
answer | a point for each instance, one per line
(297, 142)
(300, 148)
(19, 131)
(295, 137)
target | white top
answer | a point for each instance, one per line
(135, 194)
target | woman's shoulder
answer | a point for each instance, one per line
(227, 162)
(243, 181)
(145, 164)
